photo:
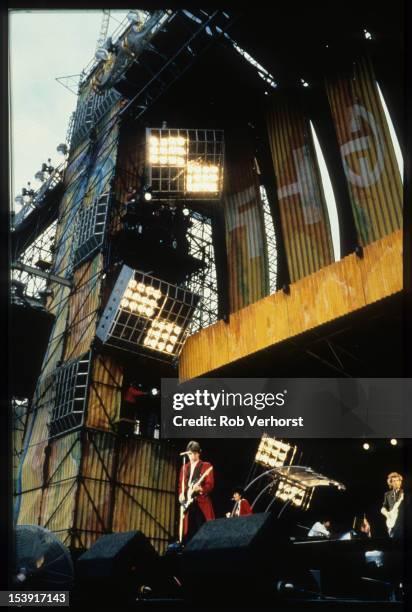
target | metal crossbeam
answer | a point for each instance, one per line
(36, 272)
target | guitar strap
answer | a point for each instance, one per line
(196, 472)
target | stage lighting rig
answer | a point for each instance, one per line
(296, 484)
(147, 315)
(296, 494)
(273, 453)
(184, 163)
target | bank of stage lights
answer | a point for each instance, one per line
(298, 496)
(274, 453)
(185, 163)
(146, 315)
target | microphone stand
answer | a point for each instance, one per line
(182, 510)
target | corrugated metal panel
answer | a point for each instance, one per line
(93, 510)
(65, 457)
(58, 505)
(19, 419)
(151, 512)
(75, 186)
(40, 412)
(19, 422)
(335, 291)
(146, 499)
(367, 152)
(59, 306)
(29, 507)
(303, 211)
(36, 434)
(99, 449)
(32, 467)
(103, 158)
(245, 234)
(37, 430)
(104, 392)
(147, 463)
(64, 537)
(88, 175)
(83, 308)
(84, 539)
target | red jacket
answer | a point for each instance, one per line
(131, 394)
(203, 500)
(245, 508)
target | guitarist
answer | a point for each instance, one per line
(201, 509)
(393, 505)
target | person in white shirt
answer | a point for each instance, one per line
(321, 529)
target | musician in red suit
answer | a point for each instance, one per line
(242, 506)
(193, 472)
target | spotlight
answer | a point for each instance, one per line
(167, 150)
(366, 446)
(147, 315)
(394, 441)
(133, 16)
(146, 193)
(273, 453)
(154, 391)
(185, 163)
(62, 148)
(202, 178)
(102, 54)
(39, 176)
(293, 493)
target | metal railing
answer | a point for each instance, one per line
(54, 179)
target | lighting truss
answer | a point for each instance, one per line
(38, 255)
(89, 231)
(273, 453)
(270, 240)
(147, 315)
(184, 163)
(204, 281)
(296, 484)
(71, 383)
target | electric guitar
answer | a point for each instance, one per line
(184, 505)
(190, 495)
(392, 515)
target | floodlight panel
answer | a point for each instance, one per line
(185, 163)
(290, 492)
(147, 315)
(273, 453)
